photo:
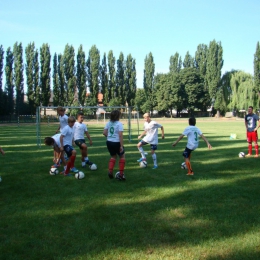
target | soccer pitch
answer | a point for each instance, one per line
(154, 214)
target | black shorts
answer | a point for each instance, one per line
(153, 146)
(187, 152)
(79, 142)
(114, 148)
(68, 150)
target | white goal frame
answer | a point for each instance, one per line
(128, 112)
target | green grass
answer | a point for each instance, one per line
(155, 214)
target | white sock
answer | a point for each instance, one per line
(154, 159)
(141, 150)
(83, 163)
(86, 158)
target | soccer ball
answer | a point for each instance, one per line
(143, 164)
(241, 155)
(93, 167)
(184, 166)
(54, 171)
(79, 175)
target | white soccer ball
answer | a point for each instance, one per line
(241, 155)
(184, 166)
(54, 171)
(143, 164)
(93, 167)
(79, 175)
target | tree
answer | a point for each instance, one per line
(1, 80)
(45, 80)
(140, 99)
(130, 80)
(9, 85)
(69, 73)
(188, 61)
(61, 81)
(214, 66)
(104, 80)
(201, 59)
(149, 68)
(55, 82)
(81, 75)
(120, 79)
(93, 71)
(18, 77)
(111, 76)
(257, 70)
(175, 63)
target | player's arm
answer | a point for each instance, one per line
(58, 130)
(121, 140)
(178, 140)
(257, 126)
(2, 151)
(206, 141)
(61, 142)
(162, 129)
(142, 134)
(89, 139)
(105, 132)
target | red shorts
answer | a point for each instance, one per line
(252, 137)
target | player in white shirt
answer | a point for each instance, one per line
(66, 139)
(193, 133)
(151, 137)
(80, 129)
(115, 145)
(62, 118)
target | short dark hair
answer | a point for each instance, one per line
(80, 113)
(71, 119)
(48, 141)
(115, 115)
(251, 107)
(192, 121)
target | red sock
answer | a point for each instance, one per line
(250, 148)
(188, 164)
(72, 160)
(121, 165)
(68, 167)
(256, 149)
(111, 164)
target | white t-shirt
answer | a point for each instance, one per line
(63, 121)
(192, 133)
(113, 130)
(67, 133)
(57, 139)
(151, 132)
(79, 130)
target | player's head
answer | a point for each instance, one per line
(192, 121)
(61, 110)
(250, 110)
(49, 141)
(115, 115)
(146, 117)
(71, 121)
(80, 116)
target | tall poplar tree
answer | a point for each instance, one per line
(1, 80)
(201, 58)
(9, 77)
(104, 80)
(81, 75)
(148, 83)
(130, 80)
(188, 61)
(55, 81)
(111, 76)
(175, 63)
(257, 71)
(120, 79)
(214, 66)
(69, 72)
(45, 75)
(18, 77)
(61, 81)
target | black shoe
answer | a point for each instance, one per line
(110, 175)
(120, 177)
(88, 162)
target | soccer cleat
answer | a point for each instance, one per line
(120, 177)
(155, 167)
(248, 155)
(55, 165)
(141, 159)
(74, 170)
(63, 173)
(190, 173)
(110, 175)
(88, 162)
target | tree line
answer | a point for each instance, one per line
(194, 83)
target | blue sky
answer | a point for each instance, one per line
(137, 27)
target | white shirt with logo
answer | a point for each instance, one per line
(79, 130)
(193, 133)
(151, 129)
(67, 133)
(114, 127)
(57, 140)
(63, 121)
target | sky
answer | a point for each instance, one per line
(137, 27)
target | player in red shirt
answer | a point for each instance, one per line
(251, 129)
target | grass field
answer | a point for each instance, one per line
(155, 214)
